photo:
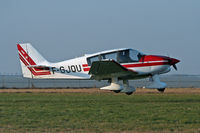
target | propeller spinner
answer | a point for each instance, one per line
(173, 62)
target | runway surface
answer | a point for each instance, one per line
(96, 90)
(95, 110)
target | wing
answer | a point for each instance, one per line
(107, 69)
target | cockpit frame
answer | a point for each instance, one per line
(120, 56)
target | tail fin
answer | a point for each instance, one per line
(30, 59)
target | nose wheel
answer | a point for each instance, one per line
(161, 90)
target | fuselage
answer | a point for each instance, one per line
(144, 65)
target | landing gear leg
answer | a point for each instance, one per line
(127, 89)
(114, 86)
(157, 84)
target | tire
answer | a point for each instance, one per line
(117, 91)
(162, 90)
(129, 93)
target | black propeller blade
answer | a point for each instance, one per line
(173, 64)
(175, 67)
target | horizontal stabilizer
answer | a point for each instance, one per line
(41, 67)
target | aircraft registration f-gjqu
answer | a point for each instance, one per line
(113, 65)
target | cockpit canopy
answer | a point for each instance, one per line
(120, 56)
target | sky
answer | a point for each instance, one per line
(64, 29)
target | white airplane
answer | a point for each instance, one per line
(113, 65)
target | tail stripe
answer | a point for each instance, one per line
(32, 70)
(25, 55)
(27, 60)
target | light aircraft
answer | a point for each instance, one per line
(112, 65)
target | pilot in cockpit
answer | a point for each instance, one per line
(128, 56)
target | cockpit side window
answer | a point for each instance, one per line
(128, 56)
(123, 57)
(111, 56)
(92, 59)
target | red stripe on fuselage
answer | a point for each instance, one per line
(86, 69)
(85, 65)
(146, 58)
(145, 64)
(138, 65)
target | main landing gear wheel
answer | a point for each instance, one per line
(161, 90)
(129, 93)
(117, 91)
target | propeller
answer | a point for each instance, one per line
(173, 62)
(175, 67)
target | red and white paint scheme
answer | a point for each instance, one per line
(113, 65)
